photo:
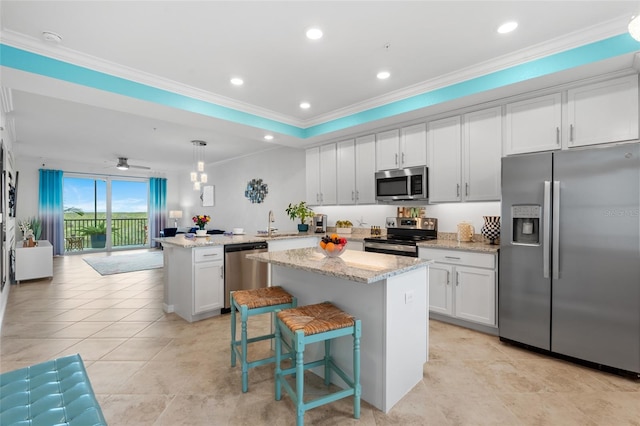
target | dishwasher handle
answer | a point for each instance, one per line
(230, 248)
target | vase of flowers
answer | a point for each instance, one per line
(200, 221)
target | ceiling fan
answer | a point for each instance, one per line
(123, 164)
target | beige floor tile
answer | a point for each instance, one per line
(92, 349)
(134, 410)
(157, 369)
(103, 377)
(81, 330)
(122, 329)
(138, 349)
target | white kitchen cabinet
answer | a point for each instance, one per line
(463, 285)
(413, 146)
(34, 262)
(355, 171)
(481, 154)
(321, 168)
(444, 160)
(387, 147)
(402, 148)
(533, 125)
(603, 112)
(293, 243)
(194, 287)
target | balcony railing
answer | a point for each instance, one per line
(126, 232)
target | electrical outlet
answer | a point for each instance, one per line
(408, 297)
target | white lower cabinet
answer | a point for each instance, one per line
(208, 286)
(462, 285)
(194, 281)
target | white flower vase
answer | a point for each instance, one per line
(491, 228)
(201, 232)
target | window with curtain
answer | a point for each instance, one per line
(157, 206)
(50, 208)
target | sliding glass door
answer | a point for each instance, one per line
(104, 213)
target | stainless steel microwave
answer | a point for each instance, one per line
(402, 184)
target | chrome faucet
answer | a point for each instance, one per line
(271, 220)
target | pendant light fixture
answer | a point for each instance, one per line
(198, 176)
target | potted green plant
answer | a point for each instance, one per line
(302, 212)
(343, 226)
(97, 234)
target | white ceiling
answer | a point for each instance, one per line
(195, 47)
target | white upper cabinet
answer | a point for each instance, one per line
(413, 146)
(397, 149)
(321, 176)
(366, 169)
(533, 125)
(603, 112)
(356, 169)
(347, 172)
(387, 147)
(482, 150)
(444, 160)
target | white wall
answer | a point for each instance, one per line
(282, 169)
(9, 223)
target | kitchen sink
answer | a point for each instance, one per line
(278, 234)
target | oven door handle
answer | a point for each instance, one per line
(393, 247)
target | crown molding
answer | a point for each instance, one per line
(566, 42)
(61, 53)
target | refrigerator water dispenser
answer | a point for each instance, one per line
(526, 224)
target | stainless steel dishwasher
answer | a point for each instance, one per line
(241, 273)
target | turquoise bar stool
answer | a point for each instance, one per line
(310, 324)
(250, 303)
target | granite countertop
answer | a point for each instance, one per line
(455, 245)
(358, 266)
(222, 240)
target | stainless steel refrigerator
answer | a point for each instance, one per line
(570, 254)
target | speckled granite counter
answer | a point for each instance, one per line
(221, 240)
(455, 245)
(353, 265)
(392, 307)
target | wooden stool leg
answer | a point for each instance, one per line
(327, 368)
(233, 332)
(278, 370)
(244, 315)
(356, 369)
(299, 345)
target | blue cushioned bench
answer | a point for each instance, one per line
(55, 392)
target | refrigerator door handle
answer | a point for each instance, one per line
(546, 243)
(556, 230)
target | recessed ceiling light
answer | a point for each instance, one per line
(237, 81)
(314, 33)
(305, 105)
(507, 27)
(51, 37)
(383, 75)
(268, 137)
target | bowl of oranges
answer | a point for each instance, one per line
(333, 245)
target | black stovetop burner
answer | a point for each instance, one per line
(405, 236)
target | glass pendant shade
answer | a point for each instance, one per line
(196, 186)
(194, 176)
(203, 178)
(201, 166)
(197, 175)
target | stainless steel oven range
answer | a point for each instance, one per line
(402, 239)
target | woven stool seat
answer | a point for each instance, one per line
(261, 297)
(314, 319)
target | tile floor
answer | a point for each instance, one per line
(152, 368)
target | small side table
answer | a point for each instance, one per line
(34, 262)
(75, 243)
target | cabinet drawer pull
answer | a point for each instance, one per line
(466, 189)
(558, 135)
(571, 133)
(403, 158)
(448, 278)
(457, 189)
(396, 159)
(452, 257)
(209, 254)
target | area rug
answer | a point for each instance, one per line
(119, 264)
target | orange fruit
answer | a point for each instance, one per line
(330, 247)
(322, 244)
(334, 236)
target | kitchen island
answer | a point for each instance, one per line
(389, 294)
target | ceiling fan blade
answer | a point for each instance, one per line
(131, 166)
